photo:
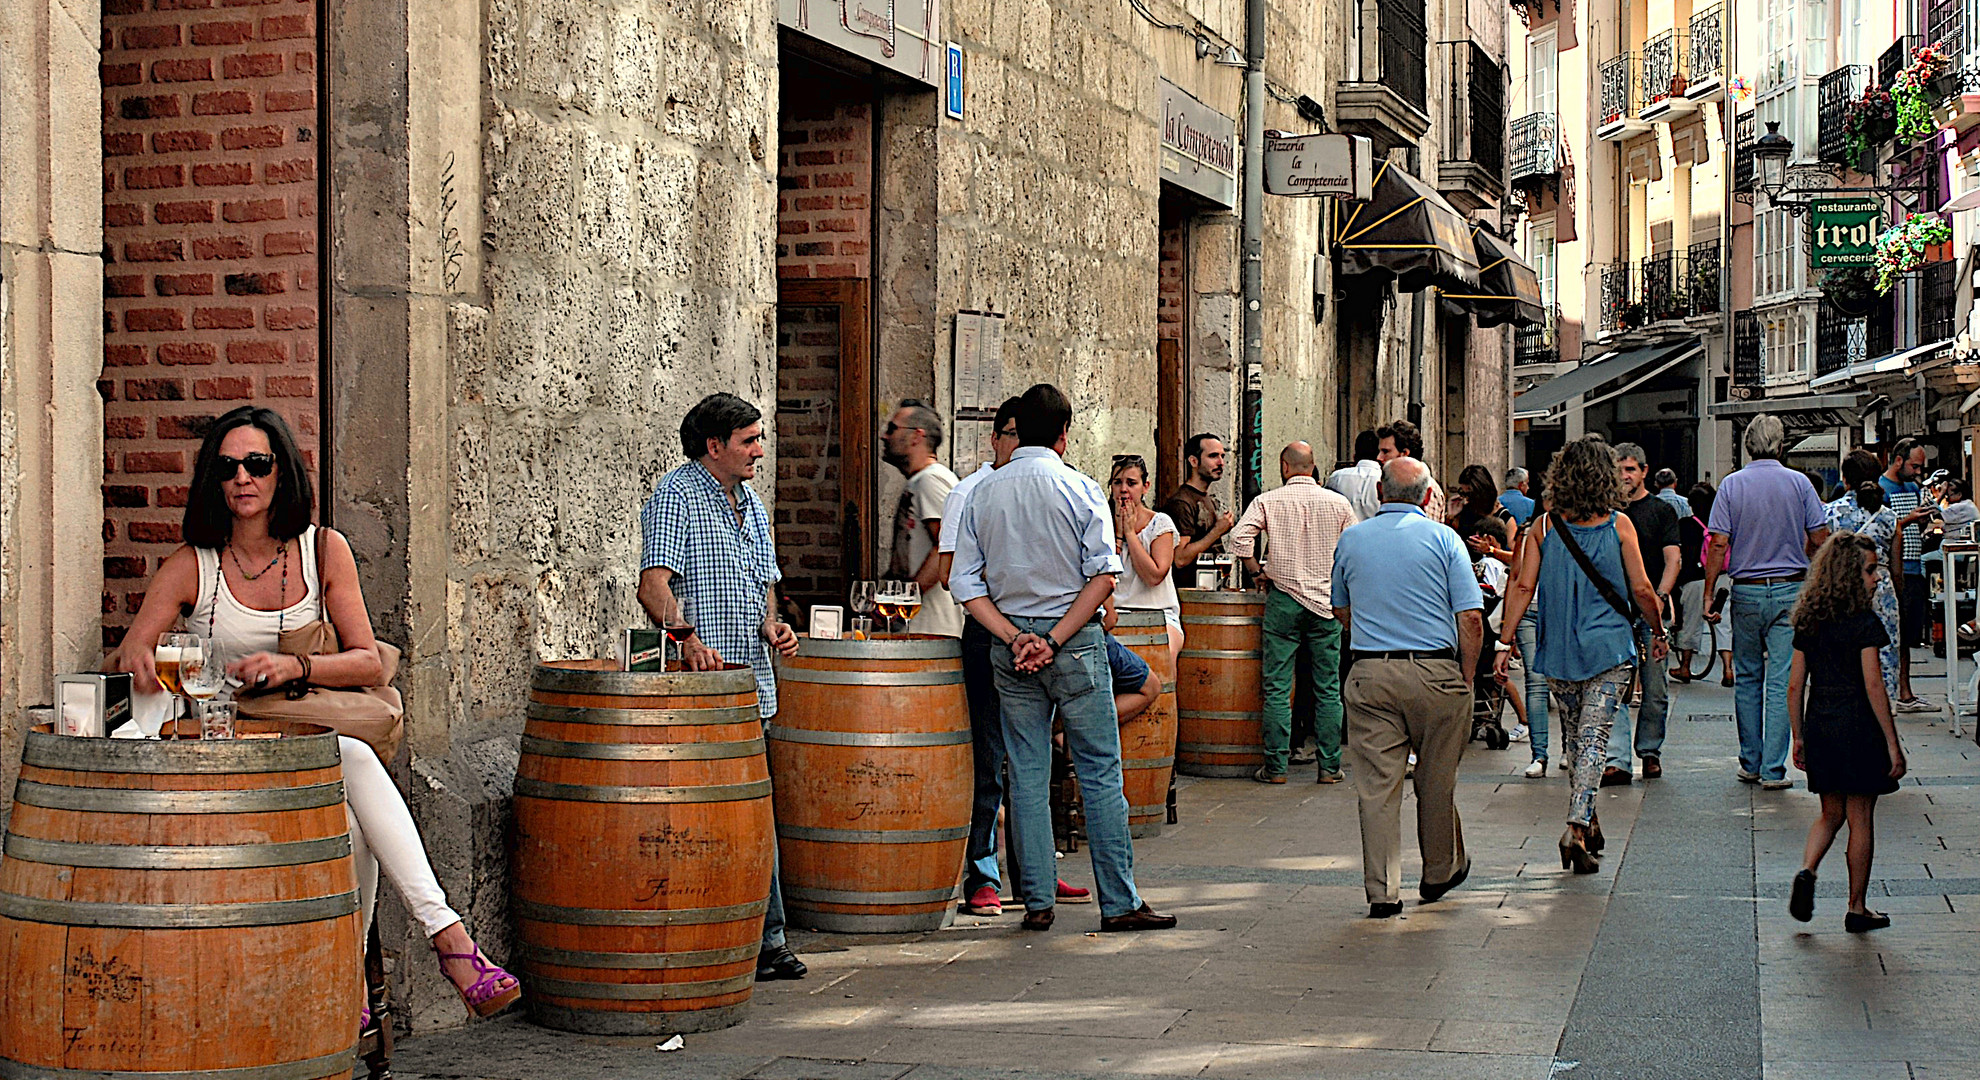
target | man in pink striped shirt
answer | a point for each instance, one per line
(1301, 522)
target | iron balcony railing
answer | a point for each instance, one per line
(1743, 152)
(1536, 147)
(1622, 298)
(1833, 331)
(1895, 59)
(1834, 94)
(1945, 23)
(1749, 354)
(1663, 68)
(1880, 332)
(1703, 263)
(1539, 344)
(1618, 75)
(1935, 313)
(1478, 116)
(1664, 293)
(1404, 49)
(1707, 54)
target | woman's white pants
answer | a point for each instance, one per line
(383, 835)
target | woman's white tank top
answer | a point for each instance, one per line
(237, 630)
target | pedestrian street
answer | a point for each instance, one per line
(1677, 960)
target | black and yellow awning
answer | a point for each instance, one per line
(1509, 290)
(1407, 234)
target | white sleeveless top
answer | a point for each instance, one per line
(238, 630)
(1133, 594)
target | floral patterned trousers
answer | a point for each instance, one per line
(1586, 710)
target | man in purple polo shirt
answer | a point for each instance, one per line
(1772, 520)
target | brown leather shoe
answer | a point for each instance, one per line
(1614, 777)
(1138, 919)
(1038, 920)
(1652, 768)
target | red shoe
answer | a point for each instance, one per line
(984, 902)
(1073, 894)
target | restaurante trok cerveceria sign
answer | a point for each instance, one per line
(1843, 231)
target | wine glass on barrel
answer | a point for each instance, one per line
(201, 676)
(678, 632)
(885, 598)
(909, 603)
(862, 602)
(169, 657)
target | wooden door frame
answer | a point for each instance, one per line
(856, 460)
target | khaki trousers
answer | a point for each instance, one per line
(1394, 707)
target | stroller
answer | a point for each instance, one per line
(1488, 697)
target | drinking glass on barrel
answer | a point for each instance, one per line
(200, 674)
(678, 632)
(887, 600)
(908, 603)
(170, 657)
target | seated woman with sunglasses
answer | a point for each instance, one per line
(249, 570)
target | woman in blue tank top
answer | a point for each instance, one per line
(1587, 644)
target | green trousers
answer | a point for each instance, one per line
(1288, 625)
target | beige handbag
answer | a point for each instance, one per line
(374, 715)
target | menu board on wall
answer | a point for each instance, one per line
(978, 357)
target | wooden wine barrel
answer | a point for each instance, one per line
(1148, 742)
(180, 909)
(872, 752)
(642, 866)
(1219, 700)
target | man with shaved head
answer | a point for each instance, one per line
(1301, 522)
(1404, 585)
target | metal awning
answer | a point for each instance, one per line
(1802, 412)
(1882, 365)
(1407, 234)
(1551, 396)
(1509, 290)
(1823, 443)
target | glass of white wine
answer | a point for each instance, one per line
(908, 604)
(201, 677)
(169, 658)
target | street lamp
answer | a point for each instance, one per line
(1771, 153)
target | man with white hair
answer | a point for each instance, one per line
(1770, 518)
(1515, 499)
(1405, 585)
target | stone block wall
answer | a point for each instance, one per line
(210, 137)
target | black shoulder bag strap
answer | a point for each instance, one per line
(1602, 585)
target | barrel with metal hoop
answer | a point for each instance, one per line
(642, 866)
(179, 909)
(1220, 706)
(1148, 742)
(872, 754)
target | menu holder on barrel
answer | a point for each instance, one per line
(91, 704)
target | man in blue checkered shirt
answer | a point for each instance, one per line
(708, 561)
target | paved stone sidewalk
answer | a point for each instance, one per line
(1678, 960)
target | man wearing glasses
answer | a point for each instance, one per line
(1034, 562)
(986, 723)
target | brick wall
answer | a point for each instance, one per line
(824, 181)
(210, 125)
(1169, 283)
(809, 545)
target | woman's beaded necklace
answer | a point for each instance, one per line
(281, 553)
(281, 602)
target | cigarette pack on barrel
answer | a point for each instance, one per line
(827, 622)
(642, 650)
(92, 704)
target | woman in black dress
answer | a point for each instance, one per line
(1841, 719)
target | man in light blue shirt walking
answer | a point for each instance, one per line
(1034, 561)
(1405, 586)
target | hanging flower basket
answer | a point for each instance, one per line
(1906, 246)
(1870, 121)
(1925, 82)
(1850, 289)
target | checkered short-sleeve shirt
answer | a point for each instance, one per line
(722, 562)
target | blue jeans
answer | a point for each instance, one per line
(986, 731)
(1080, 684)
(1649, 741)
(1763, 652)
(1528, 636)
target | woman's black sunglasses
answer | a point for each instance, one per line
(257, 465)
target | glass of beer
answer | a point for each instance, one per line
(170, 656)
(884, 600)
(908, 603)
